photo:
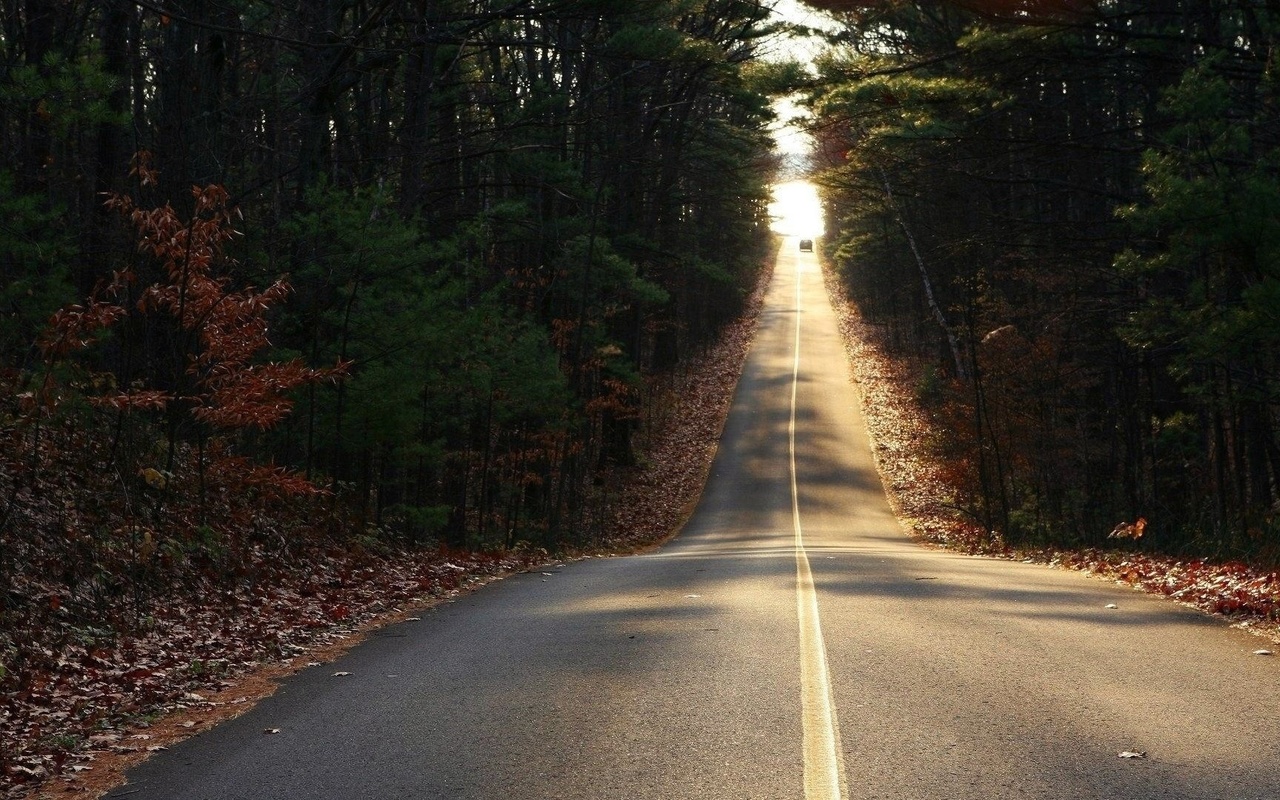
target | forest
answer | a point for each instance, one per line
(1067, 214)
(470, 228)
(291, 289)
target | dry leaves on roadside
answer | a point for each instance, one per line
(687, 411)
(921, 486)
(201, 641)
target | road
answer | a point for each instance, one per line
(790, 643)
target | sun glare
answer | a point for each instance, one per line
(795, 210)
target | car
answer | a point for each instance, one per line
(806, 245)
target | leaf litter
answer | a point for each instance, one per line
(919, 480)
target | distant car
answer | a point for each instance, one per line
(806, 245)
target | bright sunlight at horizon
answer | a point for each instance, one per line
(796, 210)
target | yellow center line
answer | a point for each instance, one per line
(824, 777)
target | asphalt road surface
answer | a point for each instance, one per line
(791, 643)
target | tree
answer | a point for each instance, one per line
(201, 373)
(1207, 273)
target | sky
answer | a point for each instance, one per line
(795, 209)
(792, 140)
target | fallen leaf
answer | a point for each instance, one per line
(35, 772)
(1132, 754)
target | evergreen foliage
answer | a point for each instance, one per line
(499, 218)
(1090, 195)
